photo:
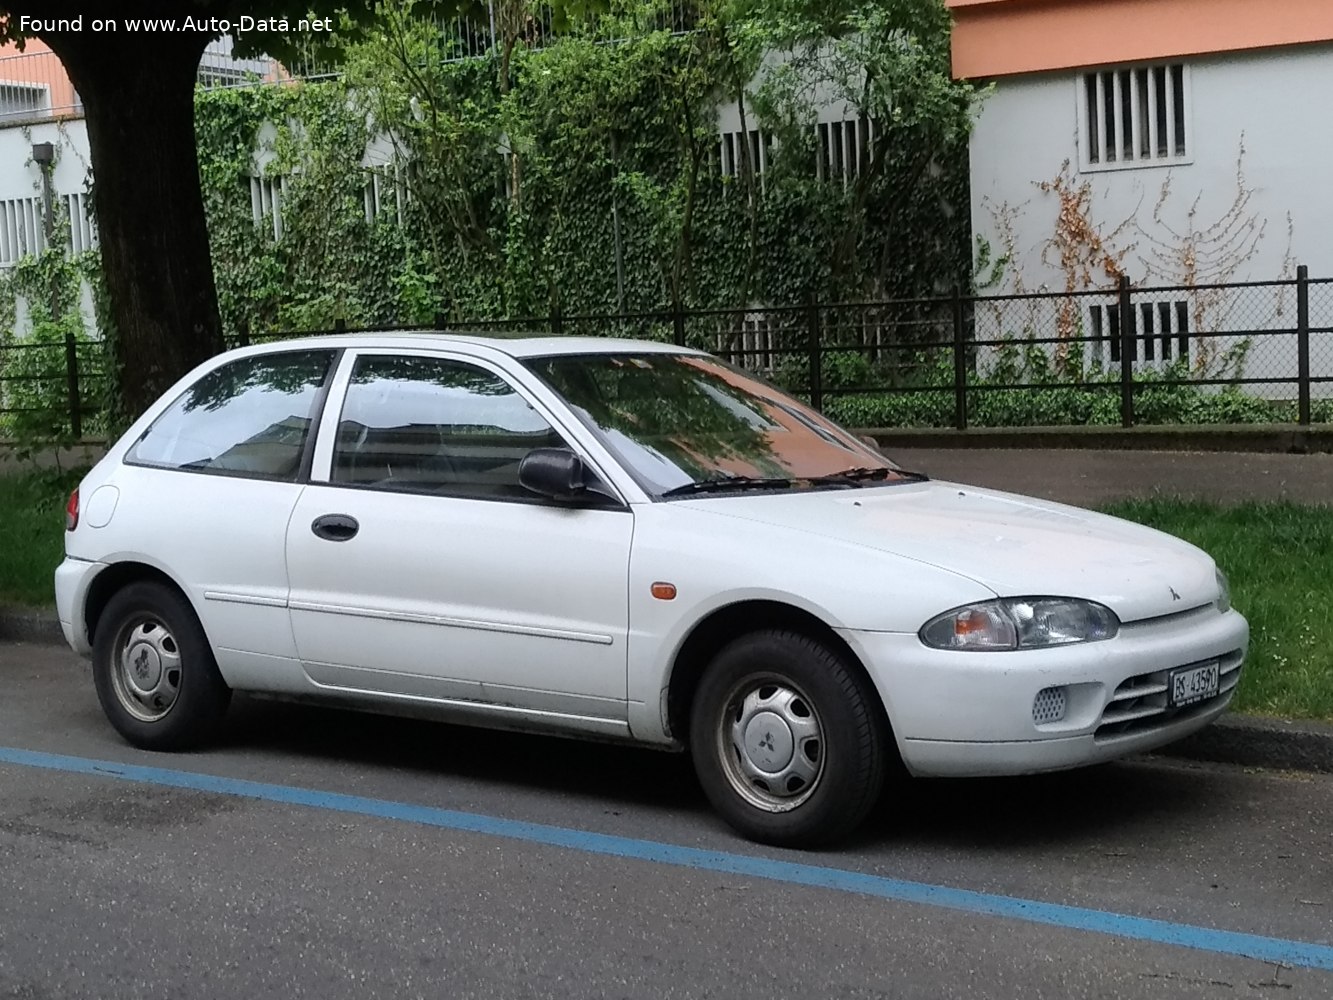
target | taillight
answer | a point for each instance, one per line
(72, 511)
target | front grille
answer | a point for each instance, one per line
(1140, 702)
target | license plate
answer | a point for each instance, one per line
(1191, 684)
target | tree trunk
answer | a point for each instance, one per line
(139, 106)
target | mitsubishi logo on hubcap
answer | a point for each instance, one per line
(141, 665)
(767, 743)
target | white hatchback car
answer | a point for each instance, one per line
(620, 540)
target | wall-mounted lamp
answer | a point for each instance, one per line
(43, 153)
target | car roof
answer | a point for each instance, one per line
(515, 346)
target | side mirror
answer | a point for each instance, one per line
(559, 474)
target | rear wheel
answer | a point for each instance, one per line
(787, 739)
(156, 677)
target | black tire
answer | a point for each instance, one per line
(155, 673)
(775, 690)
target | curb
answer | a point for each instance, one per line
(1258, 741)
(20, 624)
(1247, 740)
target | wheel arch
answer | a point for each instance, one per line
(729, 622)
(116, 577)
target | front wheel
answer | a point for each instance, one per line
(788, 739)
(156, 677)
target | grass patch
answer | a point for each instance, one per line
(32, 512)
(1279, 560)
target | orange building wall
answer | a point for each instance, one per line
(1004, 37)
(38, 64)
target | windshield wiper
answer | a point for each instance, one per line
(732, 484)
(867, 473)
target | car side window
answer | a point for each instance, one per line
(435, 425)
(249, 417)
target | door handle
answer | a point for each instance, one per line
(335, 527)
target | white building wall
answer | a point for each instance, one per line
(1272, 104)
(21, 188)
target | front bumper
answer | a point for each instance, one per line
(972, 713)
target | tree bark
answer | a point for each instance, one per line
(138, 98)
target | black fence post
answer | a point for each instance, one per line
(340, 325)
(816, 356)
(1303, 345)
(243, 333)
(556, 321)
(1127, 352)
(72, 385)
(959, 362)
(441, 320)
(677, 322)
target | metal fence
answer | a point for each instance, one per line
(1237, 353)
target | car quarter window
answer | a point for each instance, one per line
(249, 417)
(436, 425)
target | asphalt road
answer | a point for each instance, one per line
(315, 853)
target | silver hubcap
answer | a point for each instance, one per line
(146, 673)
(771, 744)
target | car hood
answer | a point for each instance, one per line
(1016, 546)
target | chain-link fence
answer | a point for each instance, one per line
(1259, 352)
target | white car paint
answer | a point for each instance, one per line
(533, 616)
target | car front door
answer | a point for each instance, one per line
(421, 570)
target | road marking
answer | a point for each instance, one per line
(1306, 954)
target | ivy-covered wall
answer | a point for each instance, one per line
(588, 178)
(34, 368)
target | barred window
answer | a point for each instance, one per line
(386, 192)
(1161, 333)
(732, 150)
(22, 229)
(82, 231)
(1133, 117)
(752, 340)
(845, 148)
(266, 197)
(20, 99)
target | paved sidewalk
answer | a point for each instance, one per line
(1087, 478)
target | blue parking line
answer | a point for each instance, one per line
(1305, 954)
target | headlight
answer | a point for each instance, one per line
(1021, 623)
(1223, 593)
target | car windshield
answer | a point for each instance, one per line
(688, 424)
